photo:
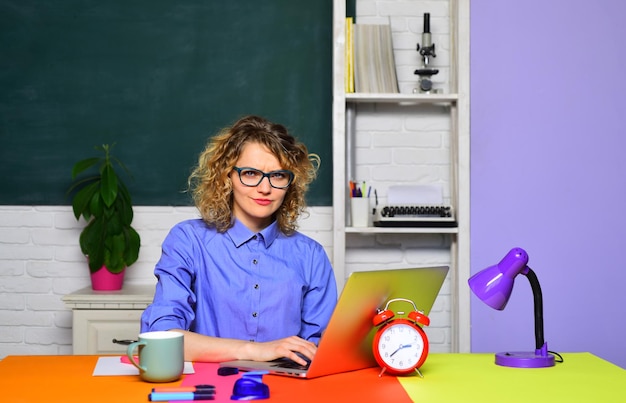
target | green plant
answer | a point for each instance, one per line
(105, 203)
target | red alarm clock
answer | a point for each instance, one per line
(400, 345)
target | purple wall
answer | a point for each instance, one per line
(548, 169)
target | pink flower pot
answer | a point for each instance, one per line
(104, 280)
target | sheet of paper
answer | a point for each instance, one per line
(107, 366)
(416, 194)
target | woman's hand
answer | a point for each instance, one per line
(287, 347)
(214, 349)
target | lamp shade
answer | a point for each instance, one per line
(494, 284)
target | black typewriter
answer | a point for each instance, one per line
(415, 215)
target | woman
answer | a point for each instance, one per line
(242, 283)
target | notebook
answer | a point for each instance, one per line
(346, 345)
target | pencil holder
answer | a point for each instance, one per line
(360, 211)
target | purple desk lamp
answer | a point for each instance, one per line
(493, 286)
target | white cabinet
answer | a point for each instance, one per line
(99, 317)
(407, 138)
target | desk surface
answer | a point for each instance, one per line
(583, 377)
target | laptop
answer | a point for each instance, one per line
(346, 344)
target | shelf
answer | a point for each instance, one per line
(132, 296)
(360, 124)
(408, 99)
(401, 230)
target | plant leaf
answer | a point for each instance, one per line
(133, 243)
(92, 243)
(109, 185)
(95, 205)
(114, 224)
(83, 165)
(80, 203)
(124, 207)
(79, 184)
(115, 257)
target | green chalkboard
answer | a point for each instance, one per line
(158, 78)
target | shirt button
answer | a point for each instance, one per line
(254, 261)
(256, 286)
(254, 315)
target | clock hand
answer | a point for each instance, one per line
(400, 348)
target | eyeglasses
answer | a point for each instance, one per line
(280, 179)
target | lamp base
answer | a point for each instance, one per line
(524, 359)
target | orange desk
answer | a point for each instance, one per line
(583, 377)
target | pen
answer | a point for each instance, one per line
(376, 200)
(196, 388)
(164, 397)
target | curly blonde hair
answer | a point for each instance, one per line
(210, 183)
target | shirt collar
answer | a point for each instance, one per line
(240, 234)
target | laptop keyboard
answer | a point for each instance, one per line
(287, 363)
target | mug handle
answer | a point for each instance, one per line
(129, 353)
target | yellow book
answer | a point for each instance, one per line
(349, 62)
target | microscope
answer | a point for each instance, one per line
(427, 50)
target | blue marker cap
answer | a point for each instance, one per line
(251, 387)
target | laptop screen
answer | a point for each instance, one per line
(348, 337)
(346, 344)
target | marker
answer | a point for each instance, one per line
(164, 397)
(196, 388)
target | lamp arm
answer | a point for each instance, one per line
(536, 288)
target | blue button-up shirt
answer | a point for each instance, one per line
(239, 284)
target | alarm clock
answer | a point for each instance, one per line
(400, 345)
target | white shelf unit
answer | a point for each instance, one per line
(454, 102)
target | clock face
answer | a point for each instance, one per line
(401, 346)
